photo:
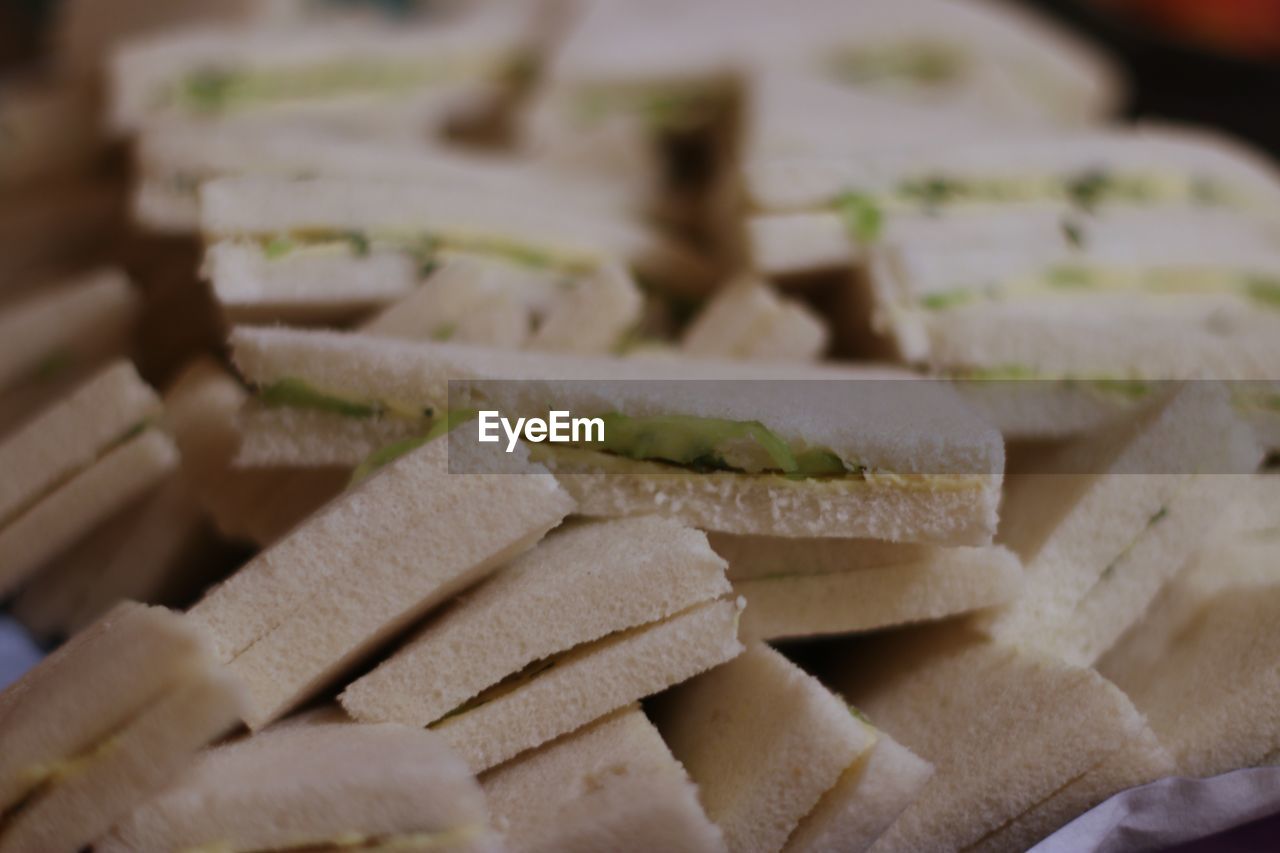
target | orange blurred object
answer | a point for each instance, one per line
(1239, 26)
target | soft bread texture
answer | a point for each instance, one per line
(482, 46)
(160, 551)
(304, 286)
(286, 437)
(1242, 551)
(807, 183)
(1138, 762)
(748, 320)
(78, 323)
(104, 722)
(898, 427)
(716, 724)
(593, 315)
(865, 802)
(121, 477)
(366, 567)
(578, 585)
(811, 587)
(947, 693)
(70, 436)
(137, 761)
(592, 680)
(202, 409)
(1213, 694)
(185, 149)
(1099, 541)
(256, 206)
(612, 785)
(305, 785)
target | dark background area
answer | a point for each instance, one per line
(1221, 69)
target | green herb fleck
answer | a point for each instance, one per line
(946, 299)
(278, 247)
(1074, 233)
(1265, 291)
(444, 331)
(1088, 188)
(862, 216)
(54, 365)
(1069, 277)
(295, 393)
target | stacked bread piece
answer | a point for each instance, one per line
(916, 504)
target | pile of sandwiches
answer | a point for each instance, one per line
(933, 501)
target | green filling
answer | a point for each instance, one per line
(53, 365)
(1069, 277)
(297, 394)
(424, 248)
(213, 90)
(698, 443)
(384, 456)
(1085, 191)
(919, 62)
(862, 216)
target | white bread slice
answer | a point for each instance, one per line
(259, 505)
(144, 75)
(948, 694)
(903, 428)
(865, 802)
(590, 681)
(1099, 541)
(301, 785)
(67, 438)
(134, 763)
(103, 723)
(1212, 695)
(1241, 552)
(612, 785)
(123, 661)
(368, 566)
(160, 551)
(464, 219)
(174, 156)
(87, 500)
(1138, 762)
(578, 585)
(811, 587)
(717, 723)
(284, 437)
(747, 319)
(306, 286)
(470, 299)
(812, 183)
(593, 314)
(66, 328)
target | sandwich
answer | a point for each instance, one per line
(1010, 731)
(174, 158)
(367, 566)
(825, 212)
(477, 300)
(51, 339)
(1212, 695)
(49, 132)
(612, 785)
(253, 505)
(158, 551)
(387, 235)
(850, 452)
(354, 74)
(75, 465)
(1238, 552)
(562, 636)
(747, 319)
(1172, 296)
(103, 723)
(814, 587)
(315, 785)
(1103, 524)
(813, 788)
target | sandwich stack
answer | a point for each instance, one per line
(920, 501)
